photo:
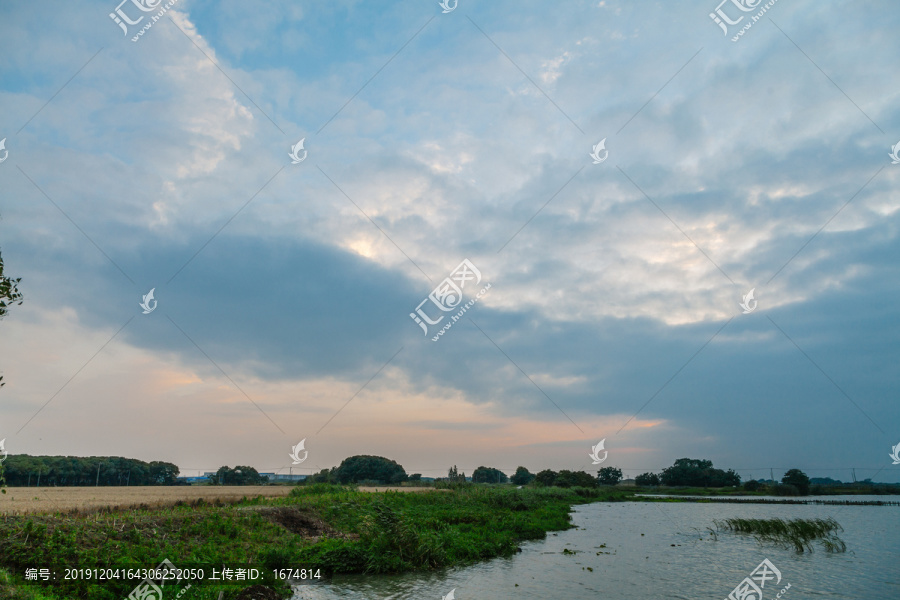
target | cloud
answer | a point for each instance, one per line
(732, 166)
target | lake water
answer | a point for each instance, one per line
(648, 566)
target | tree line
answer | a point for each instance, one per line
(685, 472)
(25, 470)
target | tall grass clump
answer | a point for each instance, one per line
(796, 533)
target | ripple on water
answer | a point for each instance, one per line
(676, 557)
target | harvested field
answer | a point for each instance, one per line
(21, 500)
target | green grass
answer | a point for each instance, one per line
(797, 533)
(12, 591)
(358, 532)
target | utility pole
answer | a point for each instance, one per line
(98, 475)
(771, 475)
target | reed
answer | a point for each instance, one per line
(799, 534)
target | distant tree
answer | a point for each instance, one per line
(323, 476)
(698, 473)
(25, 470)
(9, 295)
(824, 481)
(752, 485)
(647, 479)
(415, 477)
(369, 468)
(488, 475)
(565, 479)
(9, 291)
(798, 479)
(240, 475)
(454, 476)
(522, 476)
(164, 473)
(609, 476)
(785, 489)
(545, 477)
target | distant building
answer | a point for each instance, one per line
(280, 477)
(194, 479)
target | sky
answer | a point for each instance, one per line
(621, 176)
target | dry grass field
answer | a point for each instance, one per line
(24, 500)
(21, 500)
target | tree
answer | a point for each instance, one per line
(798, 479)
(646, 479)
(752, 485)
(488, 475)
(454, 476)
(545, 477)
(567, 479)
(240, 475)
(9, 295)
(786, 489)
(365, 467)
(164, 473)
(9, 291)
(609, 475)
(323, 476)
(415, 477)
(698, 473)
(522, 476)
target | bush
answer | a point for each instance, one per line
(609, 476)
(647, 479)
(798, 479)
(522, 476)
(369, 468)
(545, 477)
(566, 479)
(752, 485)
(488, 475)
(786, 489)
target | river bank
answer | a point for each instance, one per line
(338, 530)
